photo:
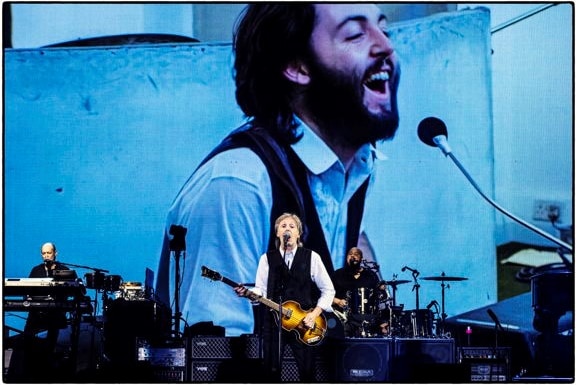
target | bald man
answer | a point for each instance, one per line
(39, 355)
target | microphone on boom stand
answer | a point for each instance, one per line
(433, 132)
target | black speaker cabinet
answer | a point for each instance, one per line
(126, 321)
(362, 359)
(230, 370)
(245, 346)
(225, 359)
(423, 360)
(205, 371)
(290, 371)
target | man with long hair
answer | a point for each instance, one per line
(318, 85)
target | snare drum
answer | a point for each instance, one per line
(362, 301)
(112, 282)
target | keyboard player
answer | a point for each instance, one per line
(39, 353)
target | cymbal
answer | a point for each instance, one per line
(444, 278)
(395, 282)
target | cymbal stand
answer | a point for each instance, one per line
(394, 286)
(416, 287)
(443, 314)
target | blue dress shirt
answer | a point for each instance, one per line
(225, 207)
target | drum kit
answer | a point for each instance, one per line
(113, 287)
(128, 311)
(377, 314)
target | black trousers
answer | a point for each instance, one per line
(304, 354)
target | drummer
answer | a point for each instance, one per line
(348, 281)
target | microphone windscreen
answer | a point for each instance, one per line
(429, 128)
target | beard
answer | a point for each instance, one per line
(353, 266)
(335, 101)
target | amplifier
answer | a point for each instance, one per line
(208, 347)
(226, 371)
(225, 359)
(166, 353)
(486, 364)
(205, 371)
(166, 360)
(290, 371)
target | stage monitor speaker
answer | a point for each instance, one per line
(362, 359)
(423, 360)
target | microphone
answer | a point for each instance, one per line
(48, 262)
(408, 268)
(433, 132)
(495, 319)
(286, 236)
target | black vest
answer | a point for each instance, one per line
(290, 189)
(294, 283)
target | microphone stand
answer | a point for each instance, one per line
(178, 245)
(415, 316)
(498, 327)
(76, 329)
(280, 315)
(97, 271)
(441, 143)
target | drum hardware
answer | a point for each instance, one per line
(341, 315)
(444, 278)
(132, 291)
(364, 310)
(370, 265)
(416, 286)
(411, 323)
(394, 283)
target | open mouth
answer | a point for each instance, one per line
(377, 82)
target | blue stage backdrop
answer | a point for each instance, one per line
(99, 140)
